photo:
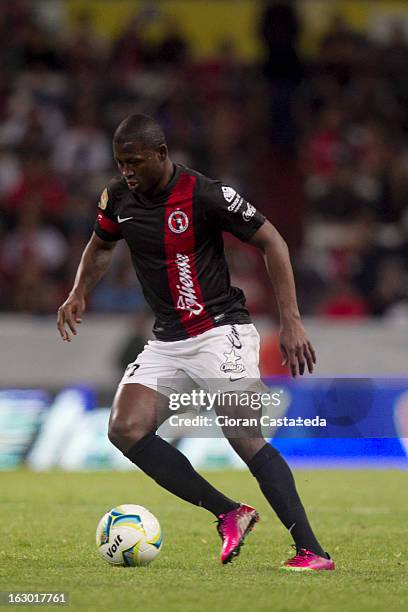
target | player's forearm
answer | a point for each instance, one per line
(281, 274)
(277, 260)
(93, 265)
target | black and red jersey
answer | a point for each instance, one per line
(175, 239)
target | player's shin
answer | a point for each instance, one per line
(278, 485)
(173, 471)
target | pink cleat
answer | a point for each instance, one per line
(306, 560)
(233, 527)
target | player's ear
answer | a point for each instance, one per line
(163, 152)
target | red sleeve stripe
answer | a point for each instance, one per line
(107, 225)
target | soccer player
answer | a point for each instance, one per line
(172, 219)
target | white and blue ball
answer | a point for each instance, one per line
(129, 535)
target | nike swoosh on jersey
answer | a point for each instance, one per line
(123, 220)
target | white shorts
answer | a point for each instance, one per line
(224, 358)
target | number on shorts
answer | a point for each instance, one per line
(131, 369)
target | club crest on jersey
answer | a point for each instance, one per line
(178, 221)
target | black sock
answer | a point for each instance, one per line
(278, 485)
(173, 471)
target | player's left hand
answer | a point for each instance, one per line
(296, 349)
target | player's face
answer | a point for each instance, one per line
(142, 169)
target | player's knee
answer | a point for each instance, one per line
(246, 447)
(124, 433)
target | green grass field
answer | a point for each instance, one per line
(48, 523)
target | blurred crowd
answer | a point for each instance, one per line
(319, 144)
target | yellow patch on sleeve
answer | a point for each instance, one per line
(103, 201)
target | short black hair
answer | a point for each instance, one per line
(140, 128)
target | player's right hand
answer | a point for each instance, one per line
(70, 314)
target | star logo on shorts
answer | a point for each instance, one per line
(232, 357)
(232, 362)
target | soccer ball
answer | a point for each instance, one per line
(129, 535)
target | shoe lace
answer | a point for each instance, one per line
(301, 555)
